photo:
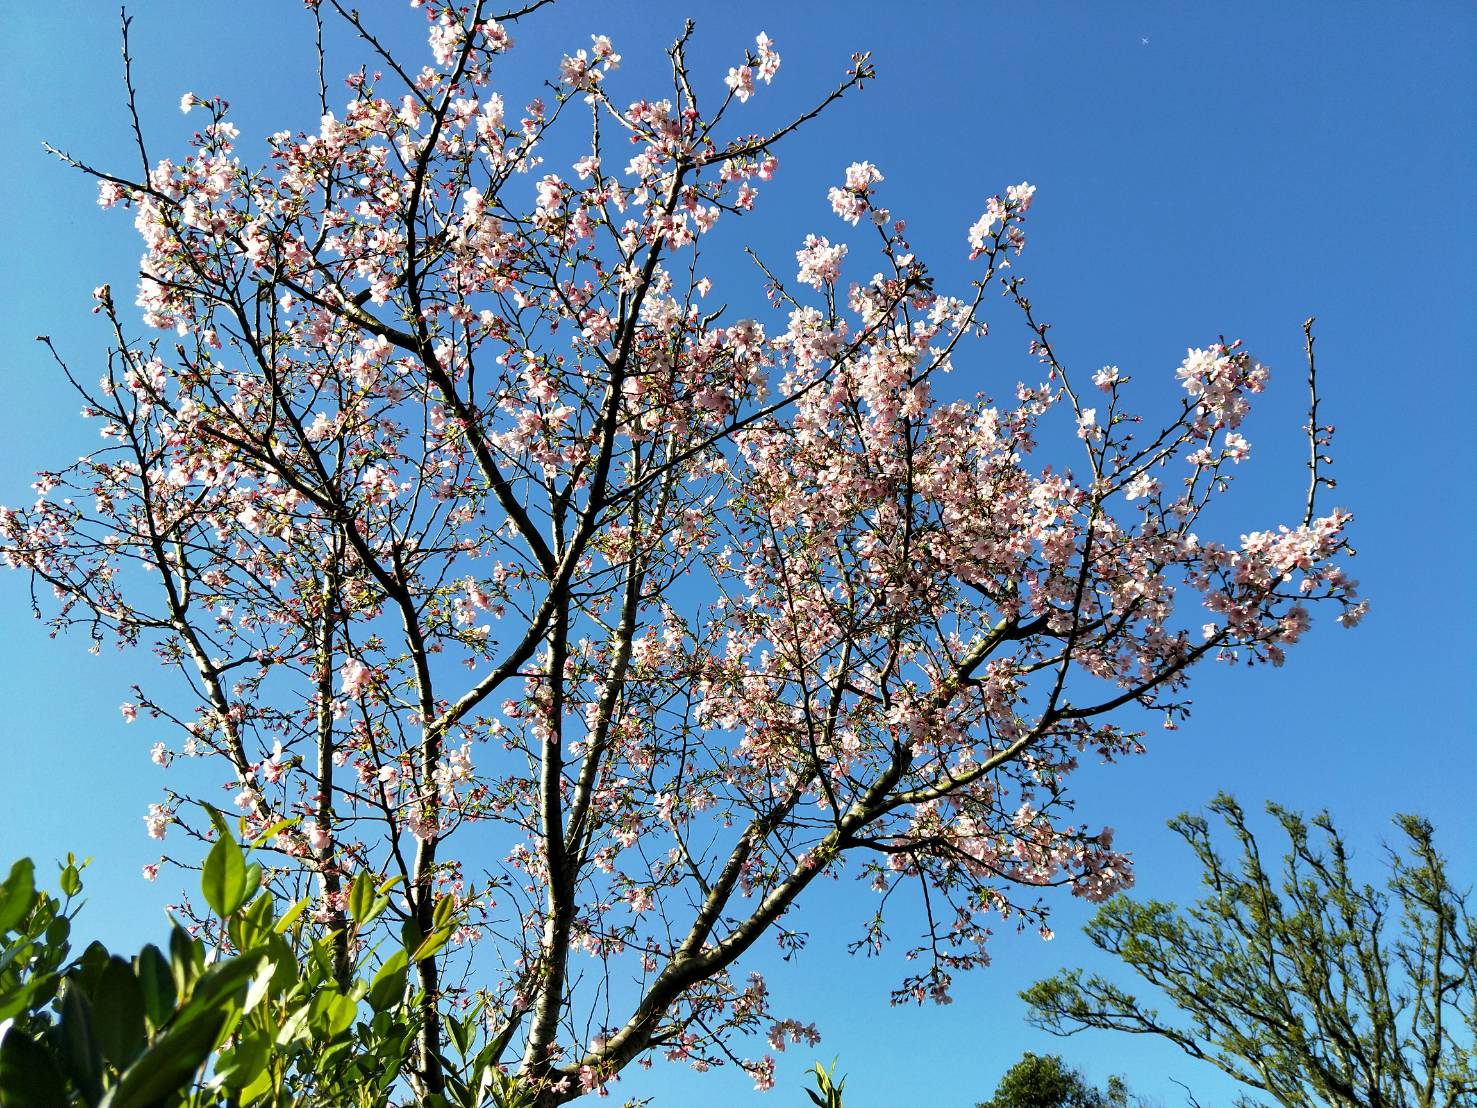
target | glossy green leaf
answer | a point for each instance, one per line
(225, 981)
(70, 881)
(411, 935)
(17, 895)
(58, 931)
(31, 994)
(290, 916)
(332, 1012)
(461, 1033)
(223, 880)
(28, 1074)
(18, 951)
(253, 923)
(261, 984)
(170, 1064)
(90, 966)
(433, 943)
(361, 896)
(156, 983)
(118, 1013)
(218, 818)
(445, 909)
(280, 825)
(388, 987)
(294, 1027)
(79, 1046)
(243, 1063)
(259, 1088)
(186, 957)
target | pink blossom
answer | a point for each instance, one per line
(741, 80)
(604, 52)
(762, 1072)
(357, 678)
(130, 711)
(852, 200)
(273, 768)
(1219, 378)
(577, 71)
(820, 262)
(109, 193)
(769, 59)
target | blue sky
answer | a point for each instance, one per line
(1202, 169)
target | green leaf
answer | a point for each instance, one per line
(223, 879)
(376, 908)
(118, 1013)
(365, 901)
(258, 1088)
(58, 931)
(156, 984)
(17, 895)
(433, 942)
(260, 986)
(169, 1066)
(31, 995)
(361, 896)
(389, 983)
(290, 916)
(331, 1013)
(221, 983)
(444, 910)
(255, 923)
(461, 1033)
(79, 1046)
(294, 1027)
(217, 817)
(251, 882)
(410, 934)
(28, 1073)
(186, 957)
(70, 881)
(270, 831)
(243, 1063)
(90, 966)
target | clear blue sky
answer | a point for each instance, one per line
(1202, 169)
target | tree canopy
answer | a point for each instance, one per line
(1308, 985)
(512, 536)
(1045, 1081)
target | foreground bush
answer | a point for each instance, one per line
(264, 1013)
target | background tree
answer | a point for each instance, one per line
(1308, 986)
(500, 554)
(1045, 1081)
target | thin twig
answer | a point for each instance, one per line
(1314, 479)
(138, 131)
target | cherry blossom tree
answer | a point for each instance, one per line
(493, 553)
